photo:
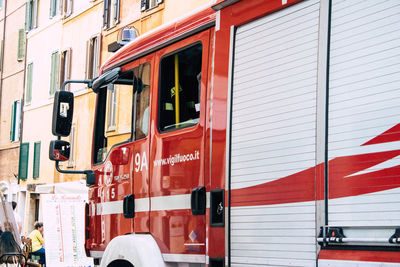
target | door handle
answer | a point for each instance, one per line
(129, 206)
(217, 208)
(198, 200)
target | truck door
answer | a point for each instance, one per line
(121, 150)
(177, 150)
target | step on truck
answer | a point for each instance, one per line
(248, 133)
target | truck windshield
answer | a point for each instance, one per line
(116, 104)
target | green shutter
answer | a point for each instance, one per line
(52, 8)
(1, 54)
(27, 16)
(36, 160)
(54, 72)
(21, 44)
(23, 161)
(28, 93)
(51, 74)
(34, 14)
(13, 121)
(105, 14)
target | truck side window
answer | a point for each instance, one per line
(180, 108)
(128, 106)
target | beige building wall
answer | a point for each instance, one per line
(41, 43)
(58, 34)
(12, 77)
(12, 19)
(90, 15)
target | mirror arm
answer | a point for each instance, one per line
(88, 82)
(89, 174)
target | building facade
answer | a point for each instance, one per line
(12, 73)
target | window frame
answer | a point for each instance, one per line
(112, 108)
(93, 56)
(15, 127)
(67, 8)
(31, 15)
(65, 67)
(145, 4)
(111, 13)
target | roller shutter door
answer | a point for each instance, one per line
(364, 97)
(273, 136)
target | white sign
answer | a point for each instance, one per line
(64, 230)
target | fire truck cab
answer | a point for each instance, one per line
(249, 133)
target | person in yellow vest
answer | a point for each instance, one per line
(38, 242)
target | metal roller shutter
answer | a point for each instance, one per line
(273, 136)
(364, 99)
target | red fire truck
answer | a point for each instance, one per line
(249, 133)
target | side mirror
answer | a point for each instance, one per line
(59, 150)
(63, 110)
(106, 78)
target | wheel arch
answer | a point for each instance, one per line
(140, 250)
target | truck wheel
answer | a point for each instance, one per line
(120, 263)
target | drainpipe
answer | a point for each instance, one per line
(2, 52)
(21, 128)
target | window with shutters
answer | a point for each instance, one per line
(28, 89)
(15, 121)
(55, 6)
(36, 160)
(148, 4)
(92, 57)
(65, 67)
(21, 44)
(31, 14)
(23, 161)
(111, 13)
(54, 73)
(67, 8)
